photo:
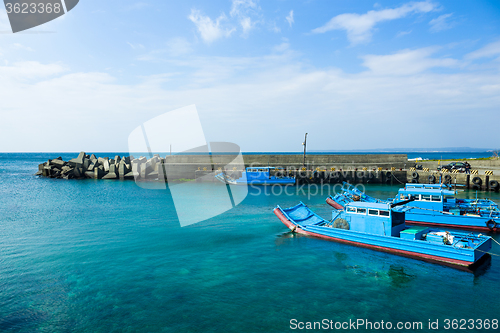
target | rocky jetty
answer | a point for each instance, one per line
(85, 166)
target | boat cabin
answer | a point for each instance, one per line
(374, 218)
(434, 198)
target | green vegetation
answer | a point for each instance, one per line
(460, 159)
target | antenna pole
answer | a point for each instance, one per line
(304, 144)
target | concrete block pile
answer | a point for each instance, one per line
(85, 166)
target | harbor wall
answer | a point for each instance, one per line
(480, 165)
(196, 166)
(369, 168)
(471, 181)
(296, 160)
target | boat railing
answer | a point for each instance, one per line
(432, 210)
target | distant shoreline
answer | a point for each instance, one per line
(410, 154)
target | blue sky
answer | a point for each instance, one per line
(353, 74)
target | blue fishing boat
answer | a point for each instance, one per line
(381, 226)
(433, 205)
(349, 193)
(438, 206)
(256, 176)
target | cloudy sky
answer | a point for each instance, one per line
(353, 74)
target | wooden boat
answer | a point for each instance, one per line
(381, 226)
(256, 176)
(433, 205)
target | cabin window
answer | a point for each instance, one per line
(414, 197)
(436, 198)
(373, 212)
(425, 197)
(361, 211)
(351, 209)
(384, 213)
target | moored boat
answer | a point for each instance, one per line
(381, 226)
(349, 193)
(256, 176)
(439, 206)
(433, 205)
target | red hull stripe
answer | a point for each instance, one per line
(468, 227)
(425, 257)
(283, 219)
(333, 204)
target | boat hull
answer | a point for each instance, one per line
(334, 204)
(436, 219)
(395, 246)
(413, 221)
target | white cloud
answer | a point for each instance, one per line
(246, 11)
(240, 7)
(441, 23)
(29, 70)
(403, 33)
(274, 28)
(359, 27)
(175, 47)
(488, 51)
(285, 46)
(178, 46)
(246, 24)
(17, 46)
(227, 90)
(289, 18)
(136, 46)
(209, 30)
(406, 62)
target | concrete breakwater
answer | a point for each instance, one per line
(85, 166)
(318, 169)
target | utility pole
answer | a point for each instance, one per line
(304, 144)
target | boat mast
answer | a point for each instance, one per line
(304, 144)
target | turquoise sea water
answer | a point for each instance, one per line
(108, 256)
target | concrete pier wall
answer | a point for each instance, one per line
(192, 163)
(381, 168)
(478, 182)
(480, 165)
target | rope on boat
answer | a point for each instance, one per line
(493, 239)
(493, 254)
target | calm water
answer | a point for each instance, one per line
(108, 256)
